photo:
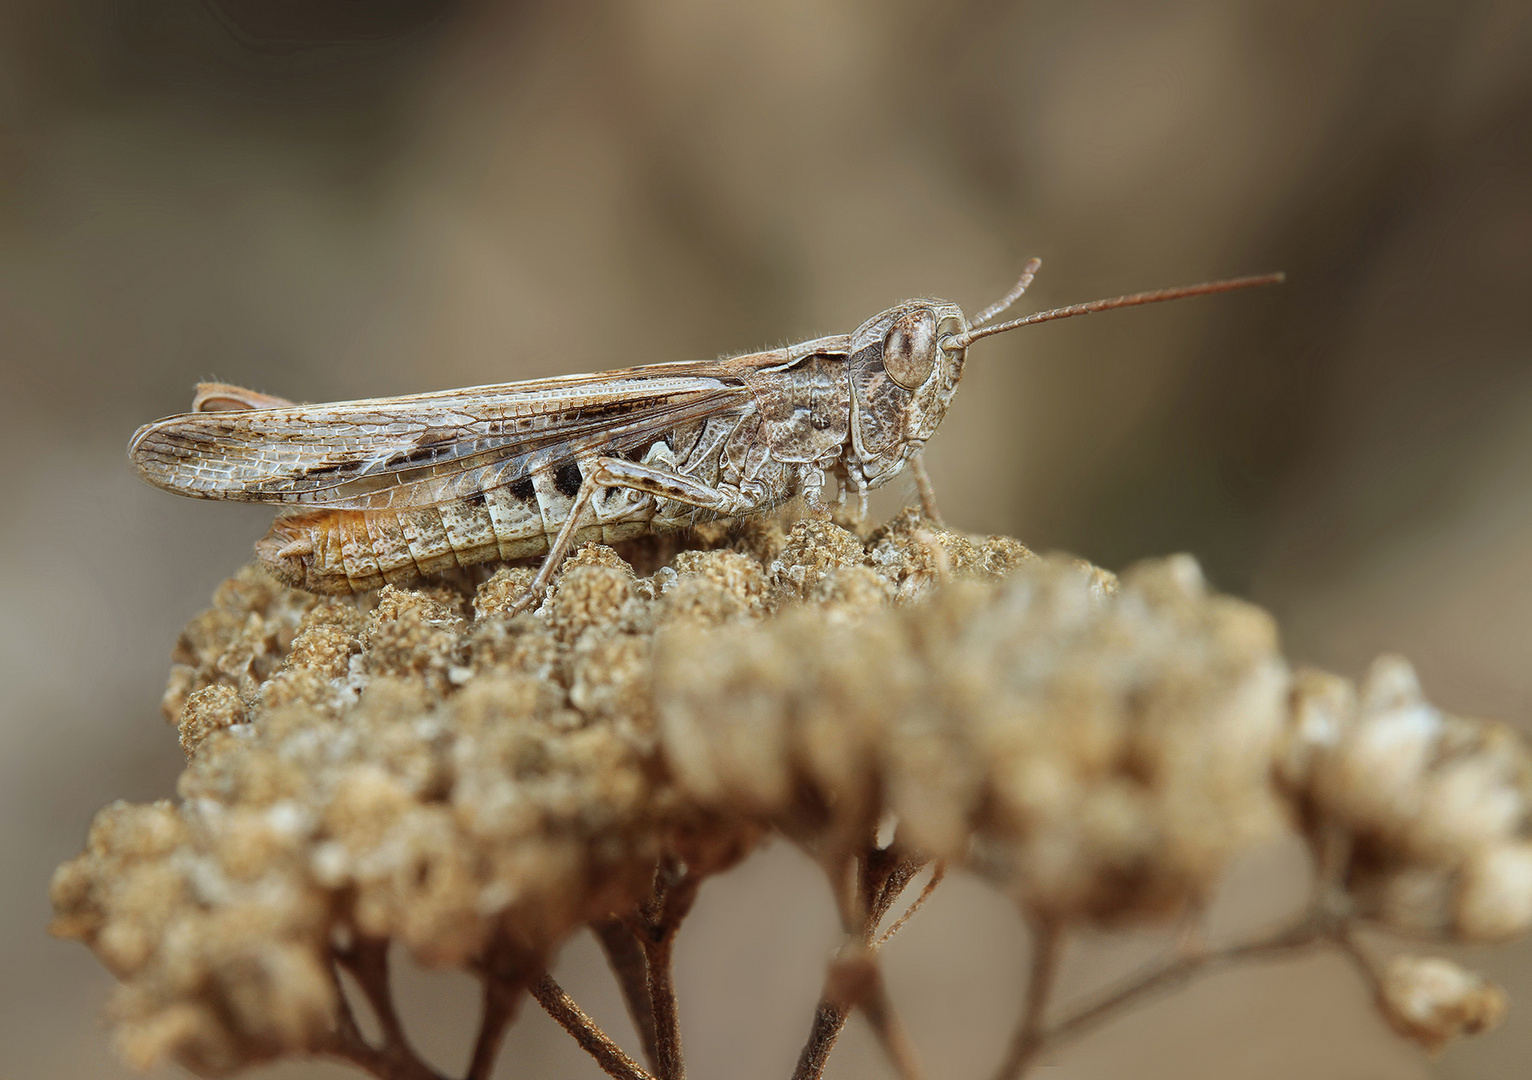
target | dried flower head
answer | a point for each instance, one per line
(1436, 809)
(1433, 1001)
(1097, 749)
(418, 767)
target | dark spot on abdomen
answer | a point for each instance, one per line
(568, 478)
(474, 498)
(523, 489)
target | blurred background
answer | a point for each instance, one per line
(327, 199)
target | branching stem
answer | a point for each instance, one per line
(1047, 945)
(854, 979)
(504, 981)
(668, 1062)
(915, 905)
(595, 1042)
(1026, 1048)
(625, 955)
(878, 1008)
(639, 949)
(367, 961)
(659, 918)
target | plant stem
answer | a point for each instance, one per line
(829, 1018)
(1047, 944)
(500, 997)
(659, 918)
(595, 1042)
(915, 905)
(395, 1060)
(367, 961)
(882, 873)
(639, 950)
(1308, 930)
(1364, 962)
(878, 1008)
(668, 1062)
(625, 955)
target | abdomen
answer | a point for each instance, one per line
(345, 551)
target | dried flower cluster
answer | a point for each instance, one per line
(418, 768)
(1436, 810)
(1097, 749)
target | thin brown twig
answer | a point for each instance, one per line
(881, 874)
(915, 905)
(625, 956)
(591, 1038)
(847, 982)
(1306, 931)
(346, 1041)
(351, 1048)
(502, 991)
(367, 961)
(639, 951)
(1043, 970)
(1298, 936)
(871, 869)
(878, 1007)
(668, 1062)
(675, 890)
(395, 1060)
(829, 1019)
(898, 878)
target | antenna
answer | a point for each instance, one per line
(1028, 272)
(977, 330)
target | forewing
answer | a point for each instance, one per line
(427, 449)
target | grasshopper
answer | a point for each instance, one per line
(395, 489)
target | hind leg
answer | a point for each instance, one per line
(615, 472)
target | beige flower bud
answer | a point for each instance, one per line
(1434, 1001)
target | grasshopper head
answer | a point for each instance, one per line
(906, 362)
(904, 368)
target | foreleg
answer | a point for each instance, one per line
(926, 489)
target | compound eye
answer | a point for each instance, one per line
(909, 350)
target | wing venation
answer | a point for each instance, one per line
(428, 448)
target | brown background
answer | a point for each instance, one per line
(329, 199)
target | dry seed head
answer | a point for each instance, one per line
(1434, 1001)
(1061, 737)
(1438, 807)
(417, 767)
